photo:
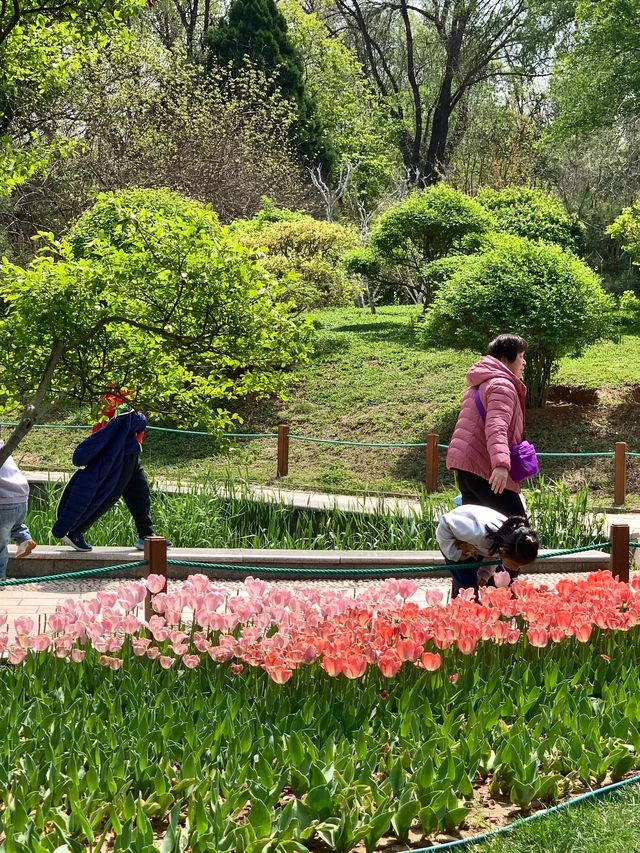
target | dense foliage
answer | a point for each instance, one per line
(150, 292)
(288, 717)
(547, 295)
(427, 225)
(531, 213)
(305, 254)
(255, 31)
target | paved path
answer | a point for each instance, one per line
(409, 507)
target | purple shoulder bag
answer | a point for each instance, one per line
(524, 459)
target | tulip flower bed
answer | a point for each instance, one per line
(294, 719)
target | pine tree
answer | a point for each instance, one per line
(255, 31)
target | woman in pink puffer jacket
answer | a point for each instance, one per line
(479, 449)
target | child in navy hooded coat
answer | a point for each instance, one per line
(110, 470)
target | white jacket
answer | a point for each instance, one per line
(14, 488)
(467, 524)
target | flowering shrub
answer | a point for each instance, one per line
(275, 716)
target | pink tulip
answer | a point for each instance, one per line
(16, 655)
(467, 645)
(192, 661)
(389, 664)
(166, 662)
(430, 661)
(153, 653)
(3, 618)
(23, 625)
(130, 624)
(41, 643)
(140, 645)
(236, 668)
(77, 655)
(538, 636)
(155, 583)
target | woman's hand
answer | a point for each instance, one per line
(498, 480)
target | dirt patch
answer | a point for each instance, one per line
(574, 394)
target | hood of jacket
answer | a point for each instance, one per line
(492, 368)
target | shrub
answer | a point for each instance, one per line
(531, 213)
(159, 297)
(626, 231)
(305, 254)
(115, 217)
(629, 310)
(537, 290)
(424, 227)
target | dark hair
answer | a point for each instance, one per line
(518, 541)
(507, 346)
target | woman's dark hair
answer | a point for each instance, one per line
(518, 541)
(507, 346)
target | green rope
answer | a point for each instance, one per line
(380, 573)
(66, 576)
(242, 435)
(339, 441)
(312, 439)
(288, 570)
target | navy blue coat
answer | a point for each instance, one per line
(101, 455)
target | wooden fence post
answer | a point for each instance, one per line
(155, 553)
(431, 463)
(620, 551)
(620, 475)
(283, 450)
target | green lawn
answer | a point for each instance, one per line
(605, 827)
(370, 381)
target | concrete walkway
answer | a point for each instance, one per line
(408, 507)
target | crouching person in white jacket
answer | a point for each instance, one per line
(470, 534)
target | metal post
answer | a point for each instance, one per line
(431, 463)
(155, 553)
(620, 475)
(620, 551)
(283, 450)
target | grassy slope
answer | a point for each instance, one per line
(369, 380)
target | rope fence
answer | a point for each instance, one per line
(158, 561)
(432, 447)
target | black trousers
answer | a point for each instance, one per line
(133, 488)
(476, 490)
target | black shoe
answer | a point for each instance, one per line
(77, 541)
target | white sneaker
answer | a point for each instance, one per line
(23, 549)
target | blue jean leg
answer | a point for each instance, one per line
(20, 533)
(11, 515)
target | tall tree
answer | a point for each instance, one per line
(184, 22)
(41, 43)
(424, 56)
(255, 31)
(598, 82)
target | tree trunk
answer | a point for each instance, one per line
(538, 372)
(33, 408)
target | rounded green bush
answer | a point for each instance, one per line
(428, 224)
(306, 254)
(528, 212)
(533, 289)
(113, 217)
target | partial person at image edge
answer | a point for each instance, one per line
(14, 502)
(479, 450)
